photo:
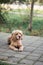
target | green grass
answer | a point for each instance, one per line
(38, 11)
(4, 63)
(38, 23)
(21, 21)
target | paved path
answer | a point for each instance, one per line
(32, 54)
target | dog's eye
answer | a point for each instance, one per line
(16, 34)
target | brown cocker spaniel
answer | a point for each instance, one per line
(14, 40)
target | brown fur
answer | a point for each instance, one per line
(14, 41)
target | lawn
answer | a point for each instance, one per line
(21, 21)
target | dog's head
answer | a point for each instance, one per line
(17, 34)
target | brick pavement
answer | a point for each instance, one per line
(32, 54)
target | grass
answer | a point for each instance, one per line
(37, 26)
(21, 21)
(38, 11)
(4, 63)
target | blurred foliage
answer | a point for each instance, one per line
(21, 21)
(20, 1)
(11, 1)
(10, 21)
(35, 33)
(4, 1)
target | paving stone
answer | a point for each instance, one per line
(36, 44)
(11, 52)
(33, 50)
(40, 48)
(38, 51)
(10, 62)
(5, 47)
(2, 50)
(38, 63)
(13, 59)
(34, 58)
(29, 39)
(35, 54)
(41, 59)
(29, 49)
(24, 53)
(24, 61)
(19, 55)
(3, 58)
(7, 54)
(22, 64)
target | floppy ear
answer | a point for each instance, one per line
(13, 37)
(22, 36)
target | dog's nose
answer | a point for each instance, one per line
(19, 36)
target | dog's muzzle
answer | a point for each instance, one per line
(18, 37)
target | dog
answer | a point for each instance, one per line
(14, 40)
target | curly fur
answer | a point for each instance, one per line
(14, 40)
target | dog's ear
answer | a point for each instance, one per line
(13, 37)
(22, 36)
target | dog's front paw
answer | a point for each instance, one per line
(15, 49)
(20, 50)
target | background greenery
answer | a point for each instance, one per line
(14, 19)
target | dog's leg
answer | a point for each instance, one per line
(21, 48)
(13, 48)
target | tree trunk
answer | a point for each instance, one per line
(31, 16)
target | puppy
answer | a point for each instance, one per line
(14, 40)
